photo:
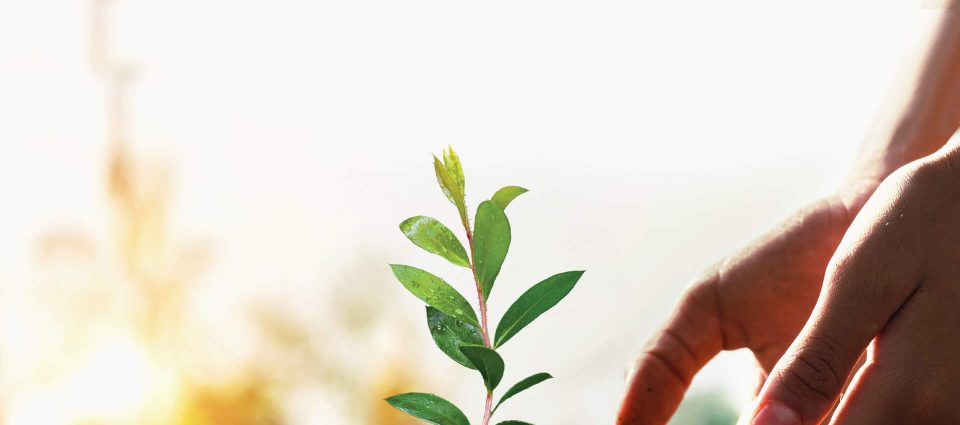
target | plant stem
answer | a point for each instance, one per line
(483, 318)
(486, 410)
(483, 303)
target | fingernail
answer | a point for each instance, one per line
(774, 413)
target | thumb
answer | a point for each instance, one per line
(859, 296)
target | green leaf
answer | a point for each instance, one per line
(505, 195)
(487, 361)
(523, 385)
(452, 162)
(434, 237)
(450, 188)
(491, 240)
(537, 300)
(430, 408)
(435, 292)
(514, 423)
(450, 334)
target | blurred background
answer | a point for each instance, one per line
(200, 198)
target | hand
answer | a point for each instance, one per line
(758, 299)
(894, 283)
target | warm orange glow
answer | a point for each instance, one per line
(115, 382)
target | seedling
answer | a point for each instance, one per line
(453, 323)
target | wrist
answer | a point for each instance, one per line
(854, 192)
(907, 142)
(857, 189)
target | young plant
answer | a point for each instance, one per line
(453, 323)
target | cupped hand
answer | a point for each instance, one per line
(893, 285)
(758, 299)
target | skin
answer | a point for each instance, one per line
(893, 284)
(808, 297)
(758, 298)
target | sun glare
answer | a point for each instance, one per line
(117, 382)
(112, 382)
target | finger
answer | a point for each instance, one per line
(910, 375)
(859, 296)
(763, 378)
(846, 386)
(662, 373)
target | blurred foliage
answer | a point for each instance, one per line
(244, 403)
(304, 348)
(134, 284)
(705, 408)
(142, 279)
(392, 381)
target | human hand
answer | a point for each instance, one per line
(758, 299)
(893, 284)
(761, 297)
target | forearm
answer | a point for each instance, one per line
(924, 111)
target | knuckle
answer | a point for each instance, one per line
(953, 164)
(673, 353)
(814, 373)
(944, 173)
(667, 363)
(937, 174)
(863, 277)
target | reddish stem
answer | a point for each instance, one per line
(483, 318)
(486, 410)
(483, 303)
